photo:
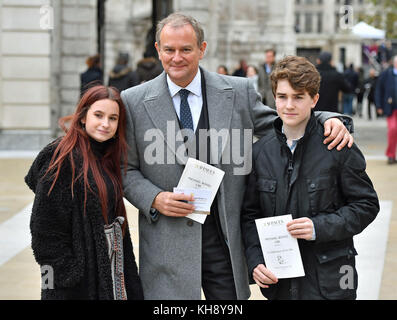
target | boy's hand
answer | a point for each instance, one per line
(263, 276)
(336, 133)
(301, 228)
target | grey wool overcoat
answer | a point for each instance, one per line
(170, 248)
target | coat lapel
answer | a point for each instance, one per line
(160, 108)
(220, 102)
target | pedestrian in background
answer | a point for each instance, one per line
(386, 104)
(265, 88)
(332, 82)
(93, 75)
(252, 75)
(79, 224)
(241, 70)
(148, 68)
(360, 91)
(222, 70)
(122, 76)
(351, 77)
(370, 86)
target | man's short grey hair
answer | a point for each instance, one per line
(177, 20)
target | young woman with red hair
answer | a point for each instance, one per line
(79, 227)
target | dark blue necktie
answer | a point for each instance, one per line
(185, 113)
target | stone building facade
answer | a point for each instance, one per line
(44, 45)
(326, 25)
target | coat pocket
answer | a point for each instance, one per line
(267, 192)
(337, 274)
(322, 190)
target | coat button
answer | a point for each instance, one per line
(312, 186)
(189, 223)
(324, 257)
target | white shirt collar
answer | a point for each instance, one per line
(194, 86)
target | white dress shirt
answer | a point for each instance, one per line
(195, 98)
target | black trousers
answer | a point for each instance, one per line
(217, 275)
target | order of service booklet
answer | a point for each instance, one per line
(280, 250)
(199, 175)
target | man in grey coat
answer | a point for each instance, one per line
(264, 83)
(179, 256)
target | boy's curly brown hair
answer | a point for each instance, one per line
(300, 73)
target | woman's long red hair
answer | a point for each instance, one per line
(76, 141)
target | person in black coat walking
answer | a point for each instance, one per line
(386, 104)
(370, 86)
(331, 83)
(122, 76)
(79, 225)
(93, 76)
(148, 68)
(351, 76)
(328, 194)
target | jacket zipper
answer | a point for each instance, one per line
(290, 169)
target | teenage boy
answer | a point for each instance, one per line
(327, 192)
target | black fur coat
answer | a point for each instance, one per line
(74, 245)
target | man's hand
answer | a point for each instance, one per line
(336, 133)
(379, 111)
(263, 276)
(170, 204)
(301, 228)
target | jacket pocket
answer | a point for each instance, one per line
(337, 274)
(322, 190)
(267, 192)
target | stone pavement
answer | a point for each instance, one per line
(376, 246)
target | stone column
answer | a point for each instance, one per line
(78, 41)
(329, 17)
(25, 73)
(280, 27)
(205, 12)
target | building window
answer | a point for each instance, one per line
(319, 22)
(337, 21)
(308, 22)
(297, 22)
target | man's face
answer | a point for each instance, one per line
(293, 107)
(269, 57)
(179, 53)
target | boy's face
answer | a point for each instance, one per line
(293, 107)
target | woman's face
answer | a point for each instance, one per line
(250, 72)
(102, 119)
